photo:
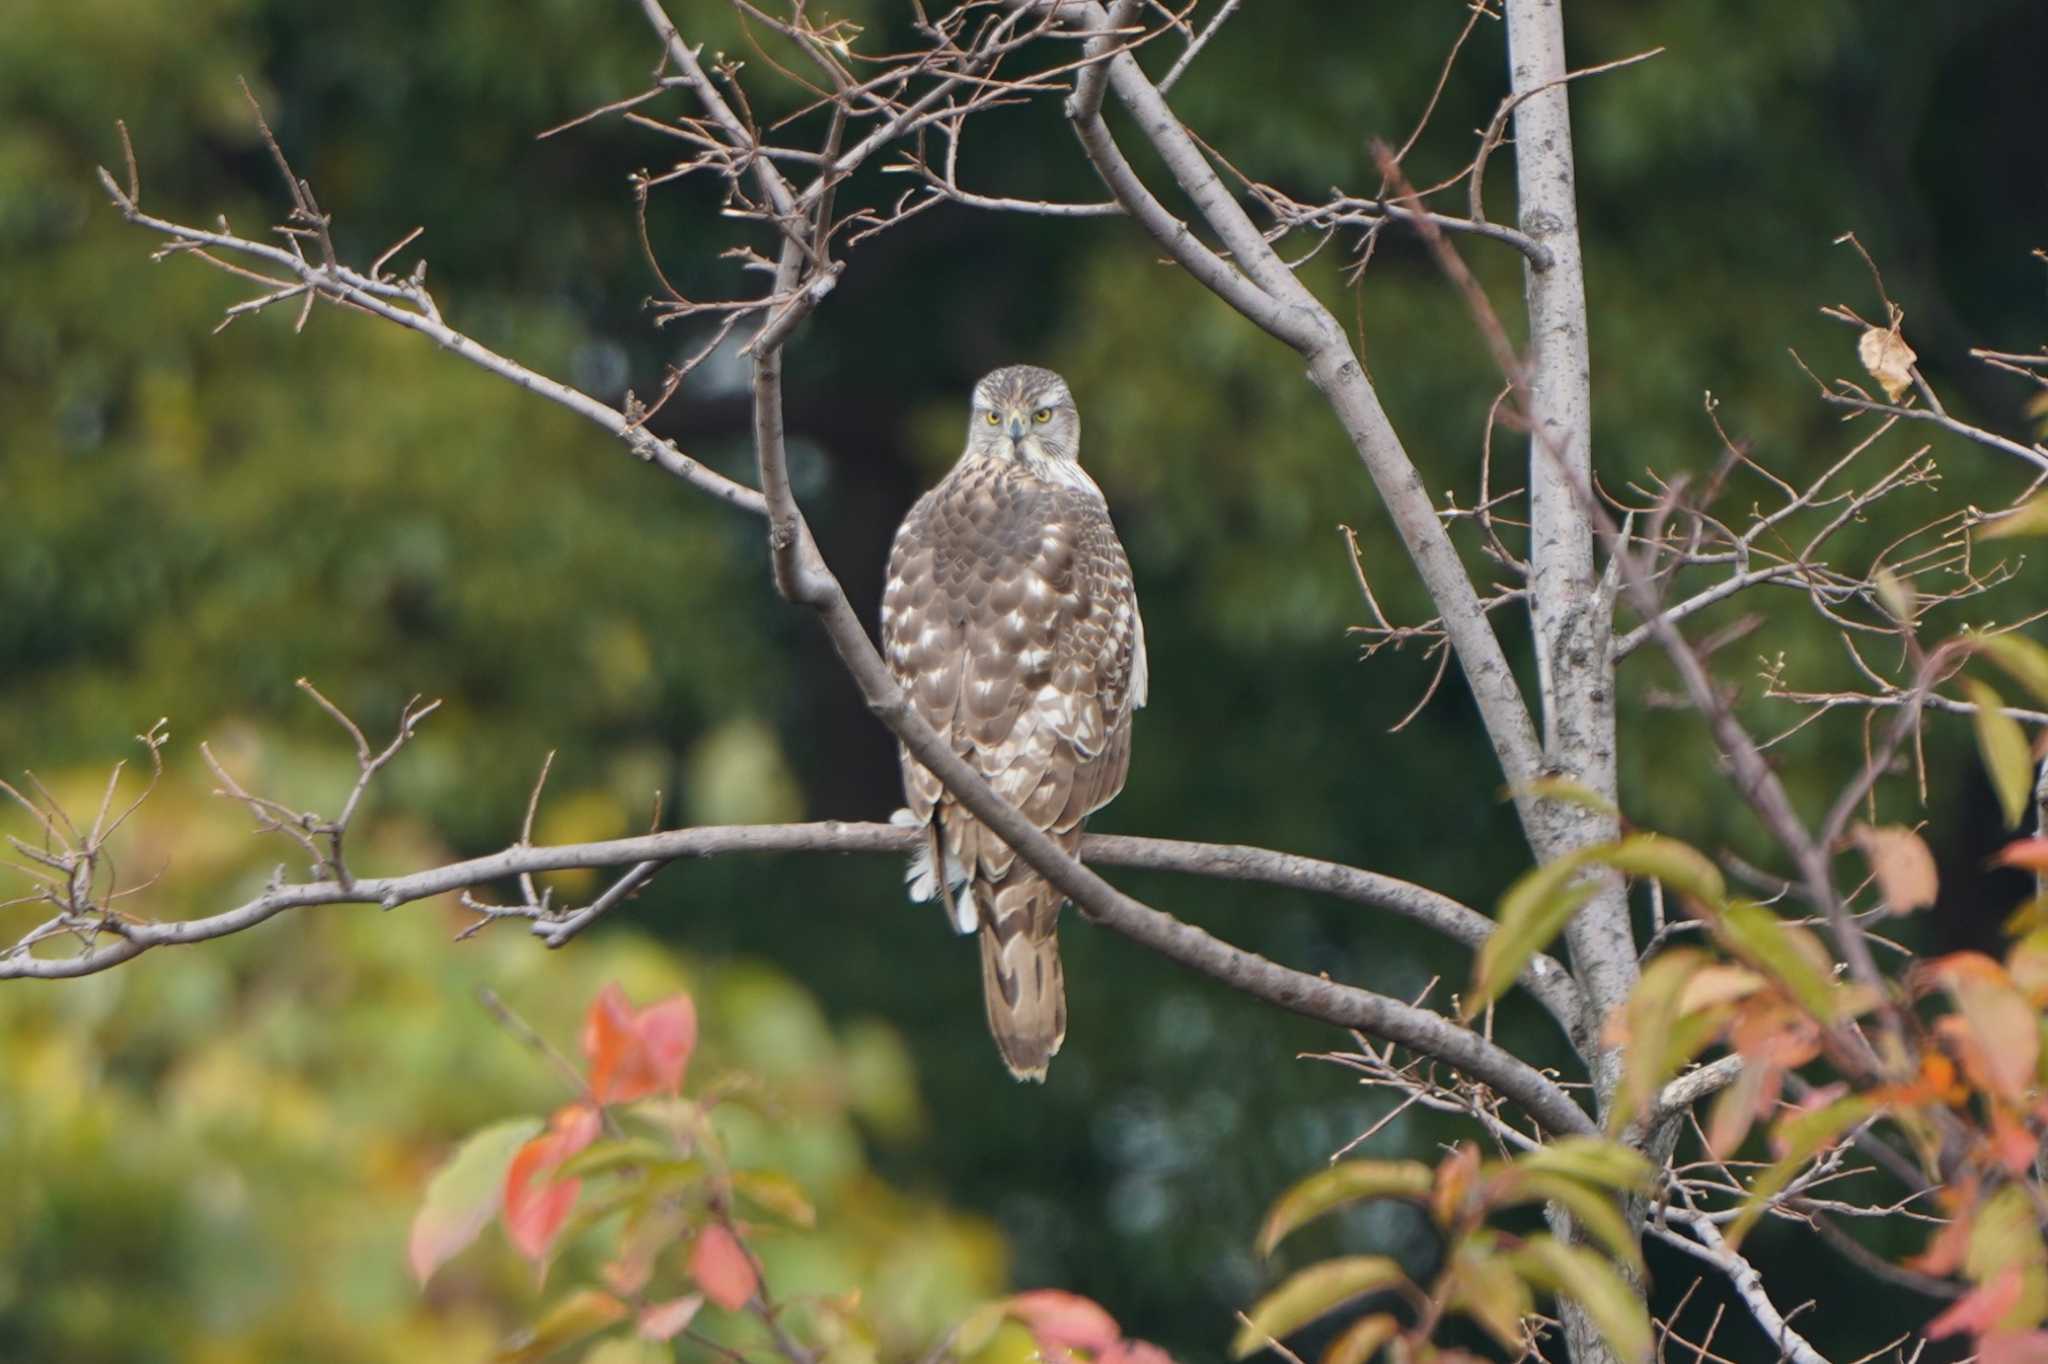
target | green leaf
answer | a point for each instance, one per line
(1678, 865)
(1312, 1292)
(1349, 1182)
(1535, 909)
(1660, 1040)
(463, 1195)
(2003, 746)
(652, 1159)
(1362, 1339)
(2003, 1234)
(775, 1192)
(1590, 1160)
(1800, 1138)
(1595, 1212)
(2030, 519)
(577, 1317)
(1774, 947)
(1587, 1279)
(1569, 790)
(2020, 656)
(1539, 905)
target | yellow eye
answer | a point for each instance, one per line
(1042, 415)
(993, 419)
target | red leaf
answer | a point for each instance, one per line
(536, 1204)
(634, 1054)
(1061, 1321)
(721, 1268)
(666, 1320)
(1980, 1309)
(2013, 1347)
(2012, 1145)
(2030, 854)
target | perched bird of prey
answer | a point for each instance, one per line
(1010, 621)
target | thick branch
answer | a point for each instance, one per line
(1264, 289)
(1571, 615)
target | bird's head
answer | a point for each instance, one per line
(1026, 413)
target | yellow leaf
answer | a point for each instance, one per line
(1349, 1182)
(1312, 1292)
(2029, 518)
(2022, 657)
(2003, 745)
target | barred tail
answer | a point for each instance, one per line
(1022, 984)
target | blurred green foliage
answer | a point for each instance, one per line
(222, 1142)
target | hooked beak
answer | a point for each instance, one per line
(1016, 428)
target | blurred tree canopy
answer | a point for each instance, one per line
(213, 1150)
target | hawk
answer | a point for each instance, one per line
(1010, 621)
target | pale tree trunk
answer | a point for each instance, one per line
(1572, 616)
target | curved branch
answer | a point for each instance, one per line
(1181, 942)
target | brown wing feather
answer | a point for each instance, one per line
(1010, 620)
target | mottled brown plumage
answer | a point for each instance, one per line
(1010, 620)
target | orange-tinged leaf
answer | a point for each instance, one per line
(535, 1202)
(1061, 1321)
(719, 1264)
(1718, 983)
(2012, 1145)
(1486, 1288)
(2028, 854)
(1362, 1339)
(1998, 1015)
(666, 1320)
(464, 1195)
(1455, 1177)
(1903, 866)
(1736, 1108)
(634, 1054)
(1981, 1308)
